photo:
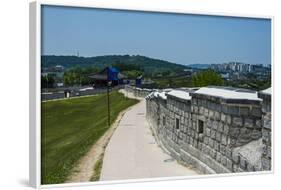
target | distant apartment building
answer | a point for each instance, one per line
(240, 67)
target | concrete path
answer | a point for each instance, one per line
(133, 153)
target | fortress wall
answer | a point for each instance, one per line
(210, 133)
(266, 130)
(138, 92)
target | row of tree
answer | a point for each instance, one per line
(206, 78)
(47, 81)
(167, 79)
(78, 76)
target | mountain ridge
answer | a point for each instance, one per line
(147, 64)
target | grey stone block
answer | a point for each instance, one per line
(220, 127)
(200, 145)
(188, 139)
(215, 125)
(194, 101)
(258, 123)
(195, 109)
(249, 123)
(201, 110)
(213, 134)
(206, 112)
(256, 134)
(213, 153)
(218, 157)
(226, 129)
(233, 110)
(196, 135)
(257, 168)
(250, 167)
(208, 150)
(209, 123)
(229, 164)
(204, 148)
(224, 139)
(180, 135)
(218, 136)
(206, 140)
(244, 111)
(237, 121)
(217, 115)
(240, 170)
(223, 117)
(228, 120)
(234, 132)
(228, 152)
(256, 111)
(211, 114)
(216, 146)
(223, 160)
(208, 132)
(222, 149)
(235, 158)
(243, 163)
(269, 149)
(195, 143)
(224, 108)
(266, 164)
(211, 143)
(200, 137)
(235, 168)
(191, 140)
(182, 119)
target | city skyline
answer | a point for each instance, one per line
(178, 38)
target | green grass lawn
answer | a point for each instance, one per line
(70, 127)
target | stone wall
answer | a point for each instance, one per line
(138, 92)
(266, 130)
(216, 135)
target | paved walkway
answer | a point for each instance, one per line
(133, 153)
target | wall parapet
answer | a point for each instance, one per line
(210, 128)
(138, 92)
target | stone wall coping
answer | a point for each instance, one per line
(157, 94)
(266, 91)
(179, 94)
(265, 94)
(227, 95)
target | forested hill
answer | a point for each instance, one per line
(145, 64)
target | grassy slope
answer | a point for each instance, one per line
(70, 127)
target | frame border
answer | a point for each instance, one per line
(35, 87)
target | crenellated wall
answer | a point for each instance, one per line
(215, 133)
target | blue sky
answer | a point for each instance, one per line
(179, 38)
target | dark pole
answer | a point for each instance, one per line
(108, 103)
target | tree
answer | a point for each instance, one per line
(47, 81)
(206, 78)
(78, 76)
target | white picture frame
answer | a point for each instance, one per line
(35, 86)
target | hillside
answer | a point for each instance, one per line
(146, 64)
